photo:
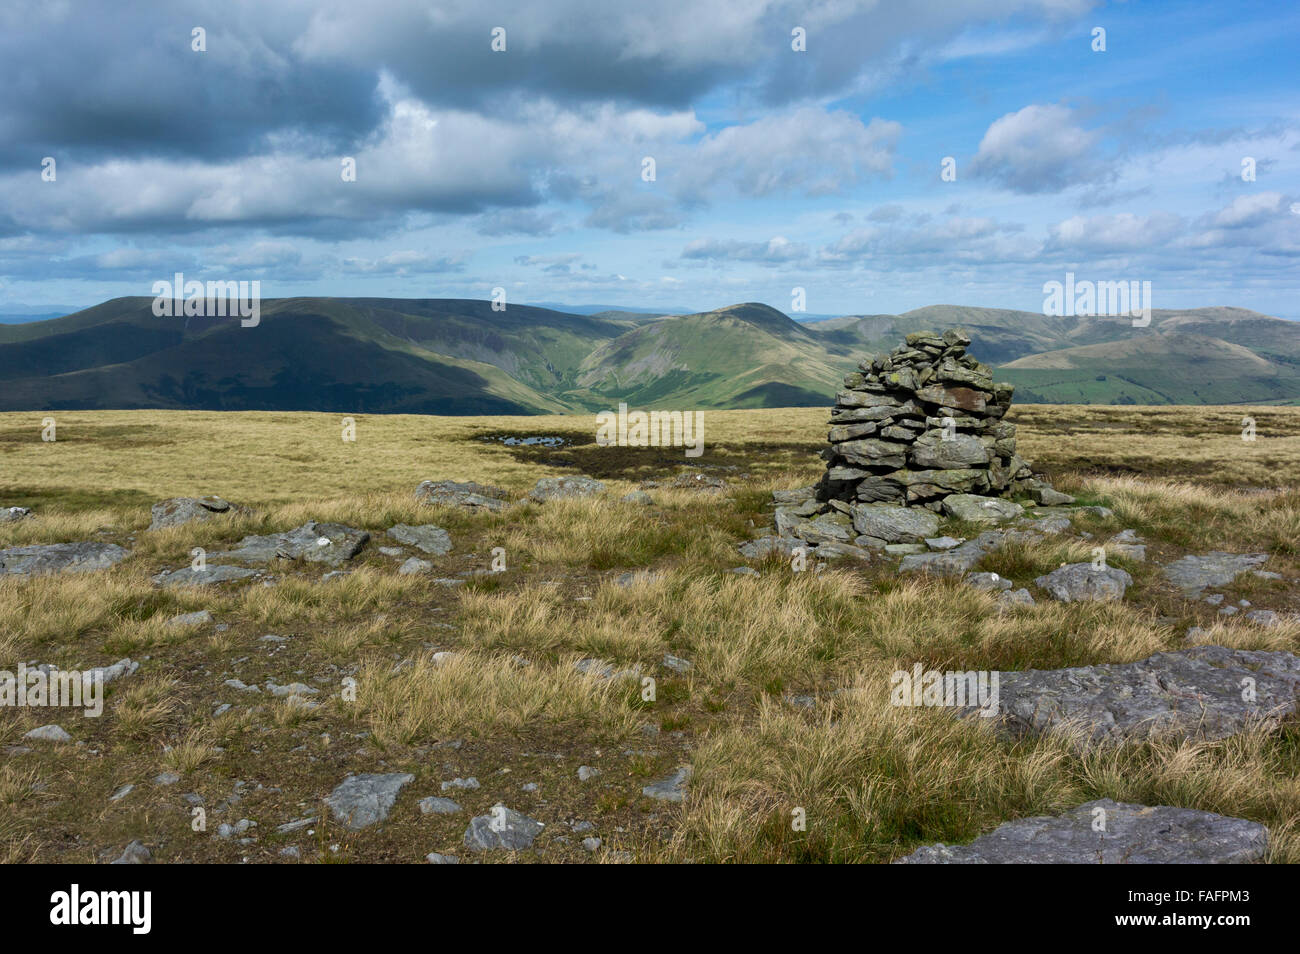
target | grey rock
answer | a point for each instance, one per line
(677, 664)
(591, 843)
(414, 566)
(1189, 693)
(438, 806)
(180, 510)
(1009, 598)
(586, 773)
(502, 828)
(744, 571)
(1193, 574)
(834, 550)
(166, 778)
(209, 575)
(671, 789)
(425, 537)
(121, 793)
(564, 488)
(42, 558)
(1048, 497)
(1083, 581)
(943, 543)
(48, 733)
(360, 801)
(769, 546)
(894, 524)
(639, 497)
(1134, 834)
(464, 496)
(1263, 617)
(434, 858)
(329, 543)
(898, 549)
(460, 783)
(973, 508)
(134, 854)
(988, 581)
(196, 618)
(14, 514)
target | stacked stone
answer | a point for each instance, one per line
(921, 423)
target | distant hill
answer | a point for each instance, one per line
(458, 356)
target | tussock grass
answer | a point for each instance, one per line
(473, 694)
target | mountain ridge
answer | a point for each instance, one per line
(462, 356)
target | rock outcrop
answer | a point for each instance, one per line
(1109, 833)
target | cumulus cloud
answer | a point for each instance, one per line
(1041, 148)
(775, 251)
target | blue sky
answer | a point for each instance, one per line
(775, 169)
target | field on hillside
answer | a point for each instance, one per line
(783, 710)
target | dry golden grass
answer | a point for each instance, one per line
(874, 781)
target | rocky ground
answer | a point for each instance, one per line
(692, 664)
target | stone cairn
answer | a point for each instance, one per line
(924, 423)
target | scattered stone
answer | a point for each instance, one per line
(290, 827)
(764, 547)
(1189, 693)
(293, 689)
(744, 571)
(943, 543)
(426, 537)
(465, 496)
(502, 828)
(1263, 617)
(166, 778)
(833, 550)
(196, 618)
(14, 514)
(328, 543)
(464, 783)
(438, 806)
(1084, 581)
(392, 551)
(1048, 497)
(1194, 574)
(565, 488)
(639, 497)
(987, 581)
(360, 801)
(586, 773)
(677, 664)
(1010, 598)
(179, 510)
(1133, 834)
(434, 858)
(43, 558)
(591, 843)
(121, 793)
(134, 854)
(290, 851)
(637, 576)
(48, 733)
(671, 789)
(186, 576)
(414, 566)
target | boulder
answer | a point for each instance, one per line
(466, 495)
(44, 558)
(972, 508)
(565, 488)
(1084, 581)
(426, 537)
(180, 510)
(1129, 835)
(360, 801)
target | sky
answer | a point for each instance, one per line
(682, 154)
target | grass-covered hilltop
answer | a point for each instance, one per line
(361, 672)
